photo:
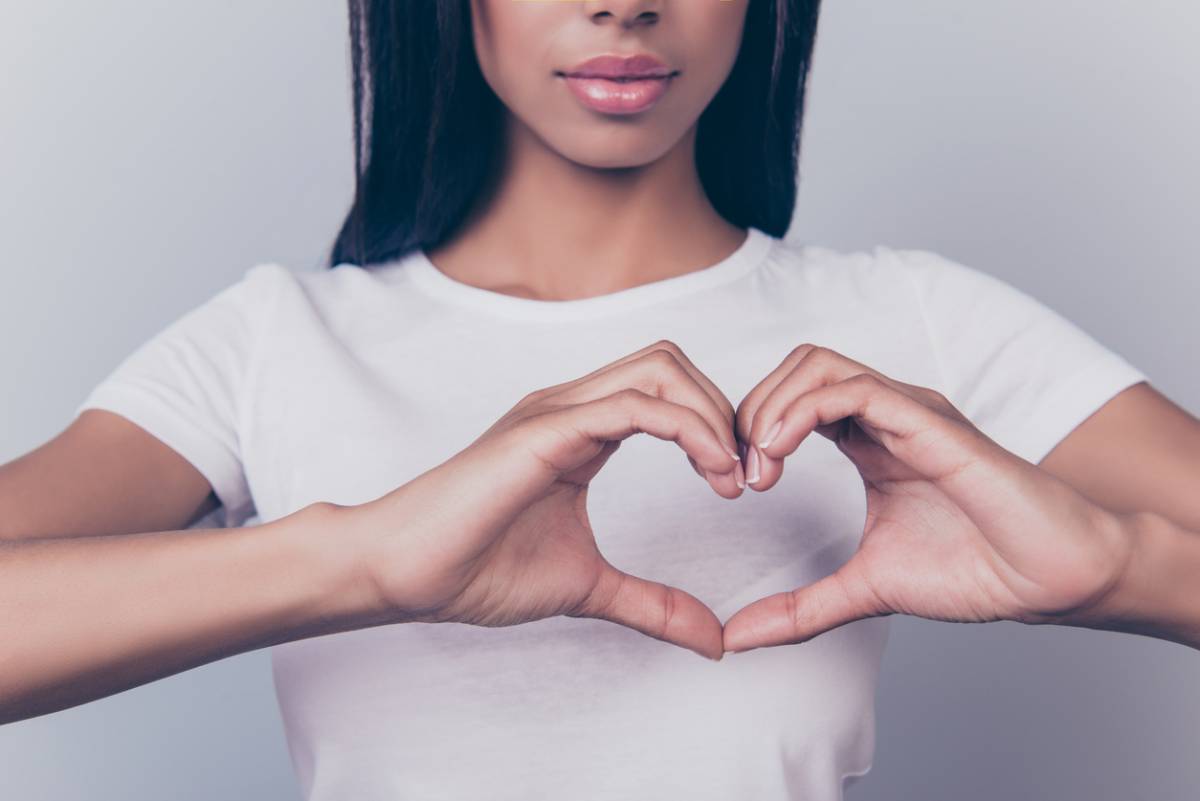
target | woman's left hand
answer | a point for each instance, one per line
(957, 528)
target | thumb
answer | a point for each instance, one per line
(657, 610)
(801, 614)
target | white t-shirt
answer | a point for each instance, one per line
(288, 388)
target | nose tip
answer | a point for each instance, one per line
(628, 14)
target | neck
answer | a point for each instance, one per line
(553, 229)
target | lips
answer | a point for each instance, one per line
(613, 68)
(619, 84)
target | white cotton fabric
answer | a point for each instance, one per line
(288, 388)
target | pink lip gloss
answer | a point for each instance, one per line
(617, 96)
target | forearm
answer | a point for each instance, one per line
(1158, 593)
(83, 618)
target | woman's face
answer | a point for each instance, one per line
(528, 50)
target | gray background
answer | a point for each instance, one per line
(151, 151)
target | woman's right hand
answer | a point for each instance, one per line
(499, 534)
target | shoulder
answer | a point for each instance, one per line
(898, 272)
(269, 285)
(258, 287)
(865, 271)
(342, 282)
(880, 259)
(930, 271)
(353, 303)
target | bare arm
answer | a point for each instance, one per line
(1140, 452)
(102, 590)
(491, 537)
(86, 617)
(1139, 457)
(960, 529)
(101, 475)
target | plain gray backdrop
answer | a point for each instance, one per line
(150, 152)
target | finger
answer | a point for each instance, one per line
(663, 370)
(933, 445)
(754, 398)
(949, 451)
(801, 614)
(739, 476)
(629, 411)
(805, 368)
(718, 397)
(819, 367)
(657, 610)
(661, 373)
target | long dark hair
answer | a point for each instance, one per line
(427, 126)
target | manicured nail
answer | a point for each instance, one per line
(752, 469)
(734, 454)
(739, 475)
(770, 435)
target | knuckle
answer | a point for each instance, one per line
(865, 381)
(532, 398)
(668, 346)
(802, 350)
(817, 353)
(660, 360)
(817, 359)
(668, 615)
(664, 368)
(325, 509)
(936, 397)
(629, 396)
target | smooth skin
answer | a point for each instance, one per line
(499, 534)
(957, 528)
(495, 536)
(104, 590)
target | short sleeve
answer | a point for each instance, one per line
(186, 386)
(1022, 373)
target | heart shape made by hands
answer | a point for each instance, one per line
(957, 528)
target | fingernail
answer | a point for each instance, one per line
(734, 454)
(770, 435)
(752, 469)
(739, 475)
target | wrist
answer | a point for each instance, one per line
(1155, 590)
(342, 594)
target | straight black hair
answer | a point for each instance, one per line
(427, 126)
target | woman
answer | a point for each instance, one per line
(550, 251)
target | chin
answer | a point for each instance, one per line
(602, 147)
